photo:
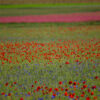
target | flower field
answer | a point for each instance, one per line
(50, 61)
(78, 17)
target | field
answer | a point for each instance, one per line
(49, 61)
(42, 9)
(46, 1)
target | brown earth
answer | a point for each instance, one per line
(45, 1)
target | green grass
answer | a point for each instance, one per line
(43, 11)
(48, 5)
(49, 31)
(40, 9)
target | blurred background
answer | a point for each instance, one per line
(40, 7)
(13, 8)
(45, 1)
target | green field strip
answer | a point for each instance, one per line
(48, 5)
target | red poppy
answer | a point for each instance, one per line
(66, 94)
(21, 98)
(77, 97)
(38, 88)
(62, 89)
(2, 93)
(32, 86)
(95, 97)
(50, 89)
(87, 98)
(6, 84)
(41, 86)
(46, 87)
(34, 91)
(71, 95)
(84, 82)
(83, 92)
(74, 83)
(66, 89)
(78, 83)
(56, 89)
(14, 83)
(82, 95)
(89, 90)
(96, 77)
(67, 62)
(93, 87)
(84, 86)
(54, 94)
(3, 63)
(29, 93)
(60, 82)
(77, 60)
(70, 82)
(92, 93)
(9, 94)
(35, 82)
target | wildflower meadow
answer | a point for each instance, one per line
(51, 60)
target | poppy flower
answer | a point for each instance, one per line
(21, 98)
(3, 63)
(70, 82)
(2, 93)
(9, 94)
(50, 89)
(35, 82)
(67, 62)
(92, 93)
(6, 84)
(87, 98)
(54, 94)
(95, 97)
(71, 95)
(84, 86)
(41, 86)
(96, 77)
(74, 83)
(38, 88)
(29, 93)
(66, 89)
(78, 83)
(93, 87)
(34, 91)
(56, 89)
(89, 90)
(62, 89)
(82, 95)
(60, 82)
(14, 83)
(77, 97)
(32, 86)
(77, 60)
(83, 92)
(66, 94)
(84, 82)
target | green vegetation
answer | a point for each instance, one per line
(41, 11)
(48, 5)
(49, 31)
